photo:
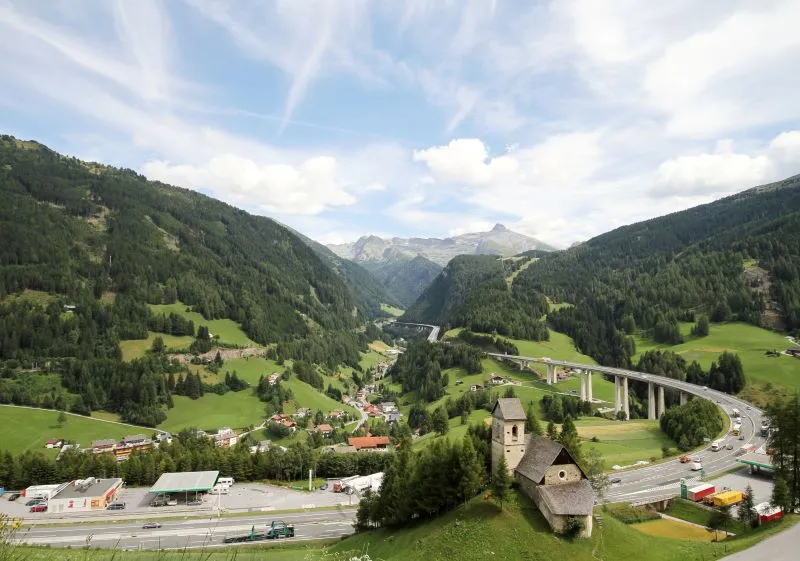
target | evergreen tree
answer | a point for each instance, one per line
(218, 359)
(158, 345)
(570, 439)
(552, 431)
(501, 481)
(780, 494)
(532, 425)
(746, 509)
(439, 421)
(471, 470)
(701, 328)
(61, 419)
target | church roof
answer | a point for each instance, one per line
(540, 453)
(509, 409)
(569, 499)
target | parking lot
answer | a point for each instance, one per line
(761, 483)
(243, 497)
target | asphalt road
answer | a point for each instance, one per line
(780, 547)
(189, 533)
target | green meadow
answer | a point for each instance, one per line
(748, 341)
(136, 348)
(28, 429)
(227, 330)
(624, 443)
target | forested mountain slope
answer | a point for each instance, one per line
(472, 291)
(368, 291)
(736, 258)
(405, 279)
(104, 243)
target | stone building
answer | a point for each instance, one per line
(544, 470)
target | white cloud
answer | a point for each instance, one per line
(309, 188)
(725, 171)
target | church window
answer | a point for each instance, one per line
(562, 474)
(514, 432)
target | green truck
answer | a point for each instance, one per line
(277, 530)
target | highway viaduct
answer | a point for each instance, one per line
(655, 384)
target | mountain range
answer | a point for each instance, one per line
(406, 266)
(497, 241)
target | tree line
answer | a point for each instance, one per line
(187, 453)
(420, 368)
(691, 423)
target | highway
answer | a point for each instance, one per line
(663, 479)
(433, 336)
(198, 533)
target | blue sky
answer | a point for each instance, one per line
(560, 119)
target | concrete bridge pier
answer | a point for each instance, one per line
(661, 408)
(651, 401)
(552, 378)
(617, 396)
(582, 379)
(626, 406)
(589, 396)
(684, 398)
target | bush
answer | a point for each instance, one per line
(629, 514)
(573, 526)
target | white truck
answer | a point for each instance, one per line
(716, 446)
(359, 484)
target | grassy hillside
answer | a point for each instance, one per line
(227, 330)
(748, 341)
(626, 443)
(484, 531)
(136, 348)
(28, 429)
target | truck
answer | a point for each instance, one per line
(747, 449)
(765, 429)
(277, 530)
(737, 429)
(696, 494)
(735, 413)
(358, 484)
(724, 498)
(716, 446)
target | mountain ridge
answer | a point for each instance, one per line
(497, 241)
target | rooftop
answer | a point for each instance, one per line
(368, 441)
(103, 442)
(569, 499)
(509, 409)
(97, 489)
(756, 459)
(188, 481)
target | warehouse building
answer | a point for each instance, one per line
(83, 495)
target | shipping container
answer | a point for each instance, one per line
(727, 498)
(697, 493)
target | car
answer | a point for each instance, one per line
(172, 502)
(685, 459)
(705, 388)
(729, 446)
(34, 502)
(41, 507)
(196, 502)
(697, 466)
(616, 480)
(741, 437)
(718, 401)
(116, 506)
(749, 408)
(150, 525)
(13, 496)
(323, 487)
(159, 502)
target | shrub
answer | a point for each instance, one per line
(629, 514)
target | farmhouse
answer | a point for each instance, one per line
(226, 437)
(475, 387)
(544, 469)
(496, 380)
(53, 443)
(324, 429)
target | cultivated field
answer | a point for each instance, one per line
(212, 411)
(28, 429)
(673, 529)
(749, 342)
(624, 443)
(228, 330)
(392, 310)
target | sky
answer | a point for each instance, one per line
(560, 119)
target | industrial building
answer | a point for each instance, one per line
(83, 495)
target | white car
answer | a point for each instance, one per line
(696, 466)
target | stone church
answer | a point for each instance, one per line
(544, 469)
